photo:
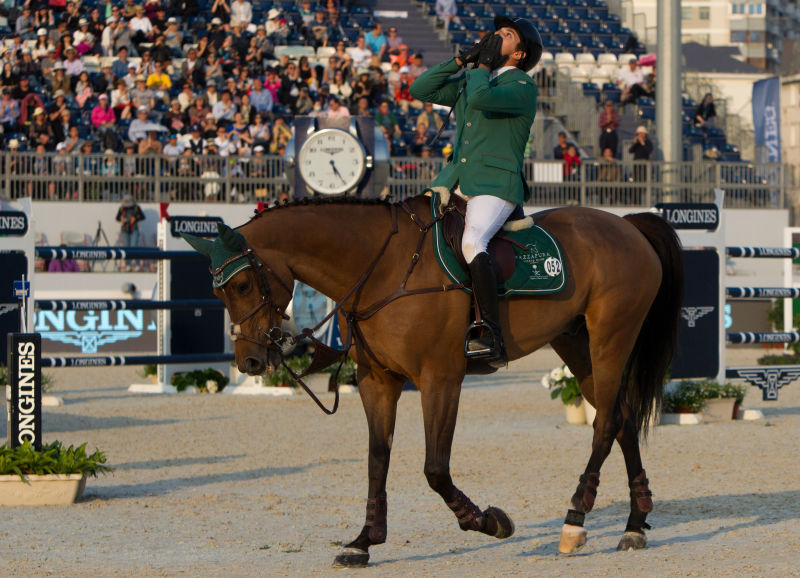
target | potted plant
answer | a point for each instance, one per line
(347, 374)
(151, 370)
(207, 380)
(563, 384)
(55, 475)
(280, 376)
(722, 400)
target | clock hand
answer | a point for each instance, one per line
(336, 171)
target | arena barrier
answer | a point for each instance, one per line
(191, 321)
(701, 352)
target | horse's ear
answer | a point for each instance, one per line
(198, 244)
(231, 240)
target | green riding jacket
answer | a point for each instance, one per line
(494, 120)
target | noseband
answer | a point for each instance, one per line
(274, 336)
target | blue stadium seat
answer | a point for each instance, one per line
(611, 92)
(591, 90)
(647, 113)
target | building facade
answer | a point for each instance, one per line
(758, 27)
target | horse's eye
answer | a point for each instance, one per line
(243, 287)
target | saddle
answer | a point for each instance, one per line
(501, 247)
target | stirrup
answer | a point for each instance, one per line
(494, 354)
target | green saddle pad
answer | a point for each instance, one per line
(538, 270)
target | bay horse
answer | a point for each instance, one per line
(614, 325)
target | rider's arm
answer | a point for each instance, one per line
(437, 85)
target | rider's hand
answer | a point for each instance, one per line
(490, 52)
(470, 54)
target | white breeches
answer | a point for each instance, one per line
(485, 215)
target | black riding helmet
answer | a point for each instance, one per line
(531, 41)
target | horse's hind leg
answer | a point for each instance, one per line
(609, 350)
(379, 397)
(641, 502)
(440, 409)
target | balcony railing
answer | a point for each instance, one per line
(188, 178)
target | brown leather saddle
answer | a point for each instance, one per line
(500, 247)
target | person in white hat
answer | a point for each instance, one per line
(641, 149)
(105, 122)
(271, 24)
(137, 131)
(73, 65)
(140, 26)
(40, 131)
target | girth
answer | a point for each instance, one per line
(500, 247)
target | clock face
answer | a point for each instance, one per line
(332, 161)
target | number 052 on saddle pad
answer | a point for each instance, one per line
(528, 260)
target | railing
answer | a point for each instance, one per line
(250, 179)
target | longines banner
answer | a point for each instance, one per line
(200, 226)
(106, 331)
(691, 215)
(24, 391)
(698, 337)
(14, 223)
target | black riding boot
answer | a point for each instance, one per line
(489, 345)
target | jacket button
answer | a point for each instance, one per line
(469, 124)
(463, 159)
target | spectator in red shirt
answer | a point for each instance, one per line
(571, 163)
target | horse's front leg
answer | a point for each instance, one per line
(440, 409)
(379, 396)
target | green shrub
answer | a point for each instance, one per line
(782, 359)
(199, 378)
(53, 458)
(47, 379)
(692, 395)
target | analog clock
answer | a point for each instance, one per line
(332, 161)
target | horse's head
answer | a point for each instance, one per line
(255, 295)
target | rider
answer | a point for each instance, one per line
(494, 103)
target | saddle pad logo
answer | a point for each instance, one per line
(541, 265)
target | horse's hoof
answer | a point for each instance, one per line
(498, 522)
(632, 541)
(572, 539)
(351, 558)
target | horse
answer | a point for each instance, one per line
(614, 325)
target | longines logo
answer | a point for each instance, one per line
(200, 226)
(13, 223)
(691, 215)
(692, 314)
(90, 330)
(770, 380)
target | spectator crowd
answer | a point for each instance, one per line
(174, 77)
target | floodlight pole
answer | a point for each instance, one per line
(668, 95)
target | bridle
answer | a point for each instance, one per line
(274, 336)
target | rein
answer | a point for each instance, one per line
(324, 355)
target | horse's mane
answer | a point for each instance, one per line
(318, 201)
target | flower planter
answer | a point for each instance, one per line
(719, 409)
(575, 413)
(45, 490)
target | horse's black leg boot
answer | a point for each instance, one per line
(484, 285)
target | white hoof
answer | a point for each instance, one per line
(572, 539)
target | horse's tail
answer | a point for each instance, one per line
(643, 380)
